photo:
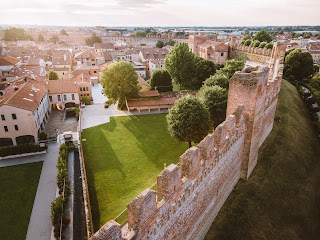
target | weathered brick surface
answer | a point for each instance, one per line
(190, 195)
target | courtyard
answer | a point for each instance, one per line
(123, 157)
(18, 189)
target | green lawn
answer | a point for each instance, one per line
(281, 199)
(123, 157)
(18, 187)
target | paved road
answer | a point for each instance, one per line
(40, 223)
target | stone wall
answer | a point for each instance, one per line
(189, 195)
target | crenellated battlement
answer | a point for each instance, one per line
(190, 194)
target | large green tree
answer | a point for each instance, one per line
(188, 120)
(161, 80)
(160, 44)
(52, 75)
(231, 67)
(14, 34)
(298, 65)
(120, 82)
(180, 63)
(218, 79)
(204, 68)
(262, 36)
(54, 39)
(64, 32)
(93, 39)
(215, 100)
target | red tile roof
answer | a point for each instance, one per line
(8, 61)
(152, 93)
(61, 86)
(25, 96)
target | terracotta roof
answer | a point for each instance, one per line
(142, 81)
(61, 86)
(103, 46)
(154, 53)
(152, 93)
(82, 78)
(154, 102)
(25, 96)
(8, 61)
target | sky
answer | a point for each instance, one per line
(160, 12)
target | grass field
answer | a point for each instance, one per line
(18, 187)
(123, 157)
(281, 199)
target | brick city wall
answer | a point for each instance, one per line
(189, 195)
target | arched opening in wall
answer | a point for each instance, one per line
(6, 142)
(25, 139)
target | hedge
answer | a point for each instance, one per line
(20, 149)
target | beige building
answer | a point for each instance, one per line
(214, 51)
(62, 94)
(24, 110)
(196, 40)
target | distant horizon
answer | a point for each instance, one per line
(161, 13)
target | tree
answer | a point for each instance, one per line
(263, 36)
(217, 79)
(298, 65)
(140, 34)
(86, 100)
(204, 68)
(160, 44)
(269, 46)
(316, 68)
(64, 32)
(54, 39)
(52, 75)
(161, 80)
(170, 43)
(14, 34)
(120, 82)
(247, 42)
(180, 63)
(262, 44)
(231, 67)
(40, 38)
(256, 43)
(93, 39)
(315, 82)
(188, 120)
(214, 99)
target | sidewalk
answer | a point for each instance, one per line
(40, 220)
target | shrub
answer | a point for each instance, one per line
(86, 100)
(42, 136)
(262, 44)
(269, 46)
(20, 149)
(256, 43)
(247, 42)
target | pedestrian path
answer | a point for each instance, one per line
(40, 221)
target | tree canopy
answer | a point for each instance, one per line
(231, 67)
(40, 38)
(64, 32)
(52, 75)
(161, 80)
(180, 63)
(298, 65)
(14, 34)
(214, 99)
(263, 36)
(120, 82)
(188, 120)
(315, 82)
(140, 34)
(54, 39)
(218, 79)
(204, 68)
(160, 44)
(93, 39)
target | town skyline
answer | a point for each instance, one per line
(159, 13)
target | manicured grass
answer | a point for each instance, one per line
(281, 199)
(18, 187)
(123, 157)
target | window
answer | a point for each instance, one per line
(95, 71)
(222, 54)
(59, 98)
(50, 98)
(87, 89)
(16, 127)
(14, 116)
(65, 97)
(72, 96)
(81, 89)
(5, 128)
(2, 117)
